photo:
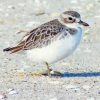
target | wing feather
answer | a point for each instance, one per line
(42, 35)
(39, 37)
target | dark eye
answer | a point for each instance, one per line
(70, 18)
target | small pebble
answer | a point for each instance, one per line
(77, 90)
(39, 13)
(11, 7)
(30, 24)
(12, 91)
(9, 90)
(86, 87)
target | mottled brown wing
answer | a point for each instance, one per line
(41, 36)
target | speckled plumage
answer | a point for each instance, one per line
(42, 35)
(54, 40)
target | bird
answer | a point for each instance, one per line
(53, 40)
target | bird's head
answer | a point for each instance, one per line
(72, 17)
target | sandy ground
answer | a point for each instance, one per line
(81, 79)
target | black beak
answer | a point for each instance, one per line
(83, 23)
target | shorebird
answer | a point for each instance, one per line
(52, 41)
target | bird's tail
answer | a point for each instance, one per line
(13, 49)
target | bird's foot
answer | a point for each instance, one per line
(56, 73)
(46, 73)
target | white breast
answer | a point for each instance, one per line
(57, 50)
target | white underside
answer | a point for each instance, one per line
(57, 50)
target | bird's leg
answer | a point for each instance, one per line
(48, 69)
(47, 72)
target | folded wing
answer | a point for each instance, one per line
(38, 37)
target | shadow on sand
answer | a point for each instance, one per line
(83, 74)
